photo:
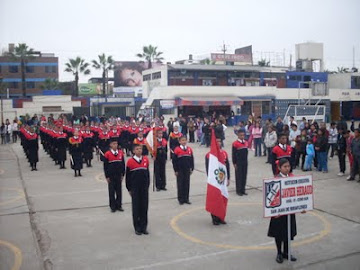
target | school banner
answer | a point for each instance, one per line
(282, 196)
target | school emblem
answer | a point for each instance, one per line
(220, 175)
(273, 194)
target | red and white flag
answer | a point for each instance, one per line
(217, 192)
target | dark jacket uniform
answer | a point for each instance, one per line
(183, 164)
(240, 159)
(114, 169)
(103, 144)
(160, 164)
(32, 146)
(61, 145)
(88, 145)
(76, 150)
(137, 183)
(278, 153)
(174, 142)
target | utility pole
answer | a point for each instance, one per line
(353, 56)
(224, 50)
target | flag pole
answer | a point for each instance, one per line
(289, 237)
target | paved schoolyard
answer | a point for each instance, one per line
(51, 220)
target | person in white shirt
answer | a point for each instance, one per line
(332, 140)
(14, 128)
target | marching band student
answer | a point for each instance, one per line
(103, 143)
(240, 161)
(174, 140)
(61, 144)
(160, 161)
(216, 220)
(183, 164)
(278, 225)
(137, 183)
(282, 150)
(32, 146)
(75, 150)
(114, 169)
(88, 145)
(140, 140)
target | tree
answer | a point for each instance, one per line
(150, 54)
(342, 70)
(50, 84)
(23, 54)
(264, 63)
(207, 61)
(105, 64)
(77, 66)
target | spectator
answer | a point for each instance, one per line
(333, 136)
(321, 145)
(270, 141)
(257, 133)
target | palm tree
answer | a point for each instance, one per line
(77, 66)
(264, 63)
(23, 54)
(150, 54)
(50, 84)
(106, 64)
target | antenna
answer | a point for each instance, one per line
(224, 49)
(353, 56)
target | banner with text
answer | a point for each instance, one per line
(283, 196)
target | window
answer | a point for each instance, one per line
(29, 69)
(13, 69)
(147, 77)
(13, 85)
(265, 107)
(355, 82)
(30, 85)
(156, 75)
(246, 109)
(50, 69)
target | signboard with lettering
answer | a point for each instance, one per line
(243, 58)
(283, 196)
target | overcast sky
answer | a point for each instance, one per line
(120, 28)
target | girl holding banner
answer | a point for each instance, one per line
(278, 227)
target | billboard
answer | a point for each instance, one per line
(243, 58)
(129, 73)
(283, 196)
(89, 89)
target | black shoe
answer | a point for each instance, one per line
(145, 232)
(138, 233)
(158, 189)
(113, 210)
(120, 209)
(165, 189)
(222, 222)
(80, 174)
(32, 169)
(240, 194)
(279, 258)
(216, 223)
(244, 193)
(351, 179)
(292, 258)
(188, 202)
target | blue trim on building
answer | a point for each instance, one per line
(300, 76)
(112, 103)
(29, 64)
(27, 80)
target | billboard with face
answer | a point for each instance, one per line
(129, 73)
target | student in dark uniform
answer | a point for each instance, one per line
(32, 146)
(240, 161)
(183, 163)
(75, 150)
(216, 220)
(282, 150)
(137, 183)
(160, 161)
(61, 146)
(103, 143)
(140, 140)
(278, 225)
(114, 169)
(88, 145)
(174, 140)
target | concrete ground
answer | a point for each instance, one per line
(51, 220)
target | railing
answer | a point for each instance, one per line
(310, 112)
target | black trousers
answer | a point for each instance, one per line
(303, 156)
(207, 140)
(342, 163)
(192, 136)
(240, 177)
(183, 185)
(333, 147)
(115, 193)
(270, 156)
(355, 167)
(140, 205)
(279, 242)
(160, 175)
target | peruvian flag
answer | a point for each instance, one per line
(217, 192)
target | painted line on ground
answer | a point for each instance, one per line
(173, 223)
(20, 196)
(17, 254)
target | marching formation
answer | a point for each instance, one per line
(125, 148)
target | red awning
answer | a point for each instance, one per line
(208, 101)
